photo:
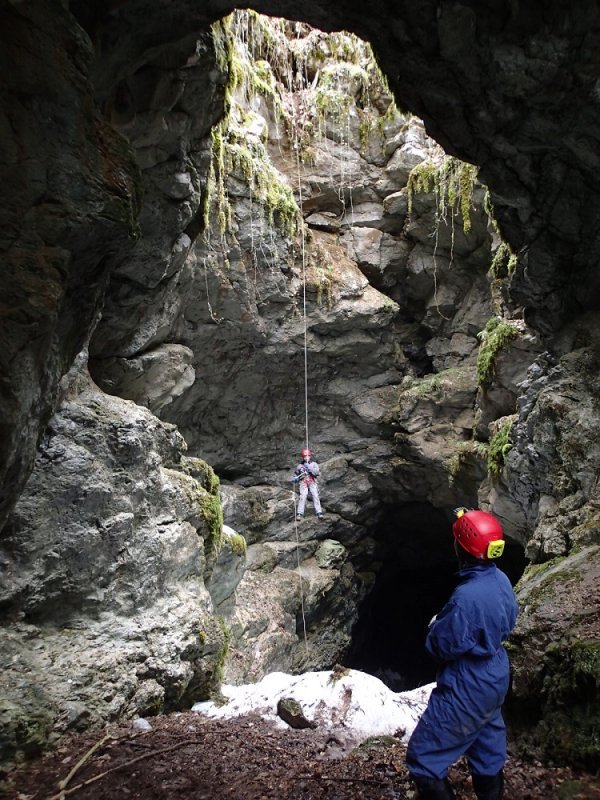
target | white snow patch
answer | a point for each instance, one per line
(359, 704)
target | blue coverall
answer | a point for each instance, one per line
(463, 715)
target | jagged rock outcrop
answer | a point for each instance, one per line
(111, 617)
(557, 416)
(508, 72)
(555, 655)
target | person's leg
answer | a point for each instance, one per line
(303, 496)
(440, 738)
(489, 787)
(486, 758)
(314, 492)
(432, 789)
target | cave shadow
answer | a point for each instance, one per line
(415, 575)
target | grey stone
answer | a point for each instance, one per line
(330, 554)
(290, 711)
(141, 725)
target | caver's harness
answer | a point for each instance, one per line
(305, 473)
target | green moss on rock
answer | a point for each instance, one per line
(238, 544)
(542, 587)
(221, 655)
(451, 181)
(504, 261)
(465, 453)
(206, 496)
(537, 569)
(570, 697)
(494, 337)
(554, 708)
(207, 658)
(499, 447)
(202, 472)
(213, 515)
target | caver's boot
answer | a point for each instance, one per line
(488, 787)
(433, 789)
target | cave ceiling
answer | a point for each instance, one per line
(510, 87)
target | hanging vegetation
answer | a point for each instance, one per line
(499, 447)
(504, 262)
(494, 337)
(309, 80)
(452, 182)
(464, 453)
(237, 142)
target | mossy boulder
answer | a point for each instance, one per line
(290, 711)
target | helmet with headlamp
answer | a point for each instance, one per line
(478, 533)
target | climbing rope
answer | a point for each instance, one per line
(306, 437)
(300, 574)
(297, 148)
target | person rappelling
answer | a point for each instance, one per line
(306, 475)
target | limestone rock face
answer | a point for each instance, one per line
(172, 103)
(387, 296)
(558, 498)
(494, 86)
(111, 618)
(549, 486)
(154, 378)
(443, 81)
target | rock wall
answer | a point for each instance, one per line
(383, 432)
(69, 207)
(105, 611)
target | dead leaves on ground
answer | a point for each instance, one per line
(186, 757)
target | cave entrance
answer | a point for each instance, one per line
(415, 574)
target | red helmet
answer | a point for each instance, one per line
(306, 453)
(479, 533)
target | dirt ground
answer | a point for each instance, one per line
(187, 756)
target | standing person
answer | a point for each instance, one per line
(463, 716)
(306, 474)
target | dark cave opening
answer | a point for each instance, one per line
(389, 637)
(415, 576)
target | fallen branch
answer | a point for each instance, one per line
(96, 778)
(64, 783)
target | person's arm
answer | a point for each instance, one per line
(451, 634)
(313, 469)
